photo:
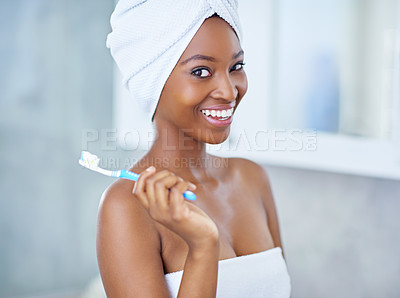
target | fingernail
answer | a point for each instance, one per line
(150, 169)
(192, 185)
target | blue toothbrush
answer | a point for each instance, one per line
(91, 161)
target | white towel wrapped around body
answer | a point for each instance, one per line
(258, 275)
(149, 36)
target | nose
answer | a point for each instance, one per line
(225, 88)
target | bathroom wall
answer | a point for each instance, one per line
(340, 233)
(55, 82)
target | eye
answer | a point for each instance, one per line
(201, 72)
(238, 66)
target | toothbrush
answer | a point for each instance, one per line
(91, 161)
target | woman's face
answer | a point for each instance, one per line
(206, 84)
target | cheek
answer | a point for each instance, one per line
(190, 95)
(180, 96)
(242, 85)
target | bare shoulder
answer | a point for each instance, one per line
(250, 172)
(118, 201)
(119, 208)
(254, 178)
(128, 245)
(119, 192)
(116, 191)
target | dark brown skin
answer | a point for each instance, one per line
(146, 229)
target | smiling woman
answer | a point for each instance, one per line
(213, 83)
(190, 84)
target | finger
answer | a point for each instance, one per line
(141, 182)
(139, 187)
(150, 186)
(162, 190)
(184, 186)
(192, 186)
(177, 201)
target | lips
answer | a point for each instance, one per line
(219, 116)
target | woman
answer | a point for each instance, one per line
(152, 242)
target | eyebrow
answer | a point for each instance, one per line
(209, 58)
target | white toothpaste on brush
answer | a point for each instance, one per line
(91, 161)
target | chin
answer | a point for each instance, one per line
(215, 137)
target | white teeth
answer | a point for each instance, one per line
(218, 113)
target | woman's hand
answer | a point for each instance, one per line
(161, 194)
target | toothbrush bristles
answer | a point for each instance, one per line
(89, 160)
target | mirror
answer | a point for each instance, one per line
(334, 64)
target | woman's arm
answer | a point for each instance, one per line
(129, 252)
(200, 274)
(270, 209)
(269, 205)
(258, 177)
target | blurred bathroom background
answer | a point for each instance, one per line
(325, 67)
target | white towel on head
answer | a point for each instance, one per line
(149, 36)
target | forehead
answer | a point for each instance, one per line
(215, 38)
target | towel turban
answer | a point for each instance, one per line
(148, 38)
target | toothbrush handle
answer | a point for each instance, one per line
(188, 195)
(128, 175)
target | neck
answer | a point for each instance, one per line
(178, 151)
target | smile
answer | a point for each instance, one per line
(219, 118)
(218, 114)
